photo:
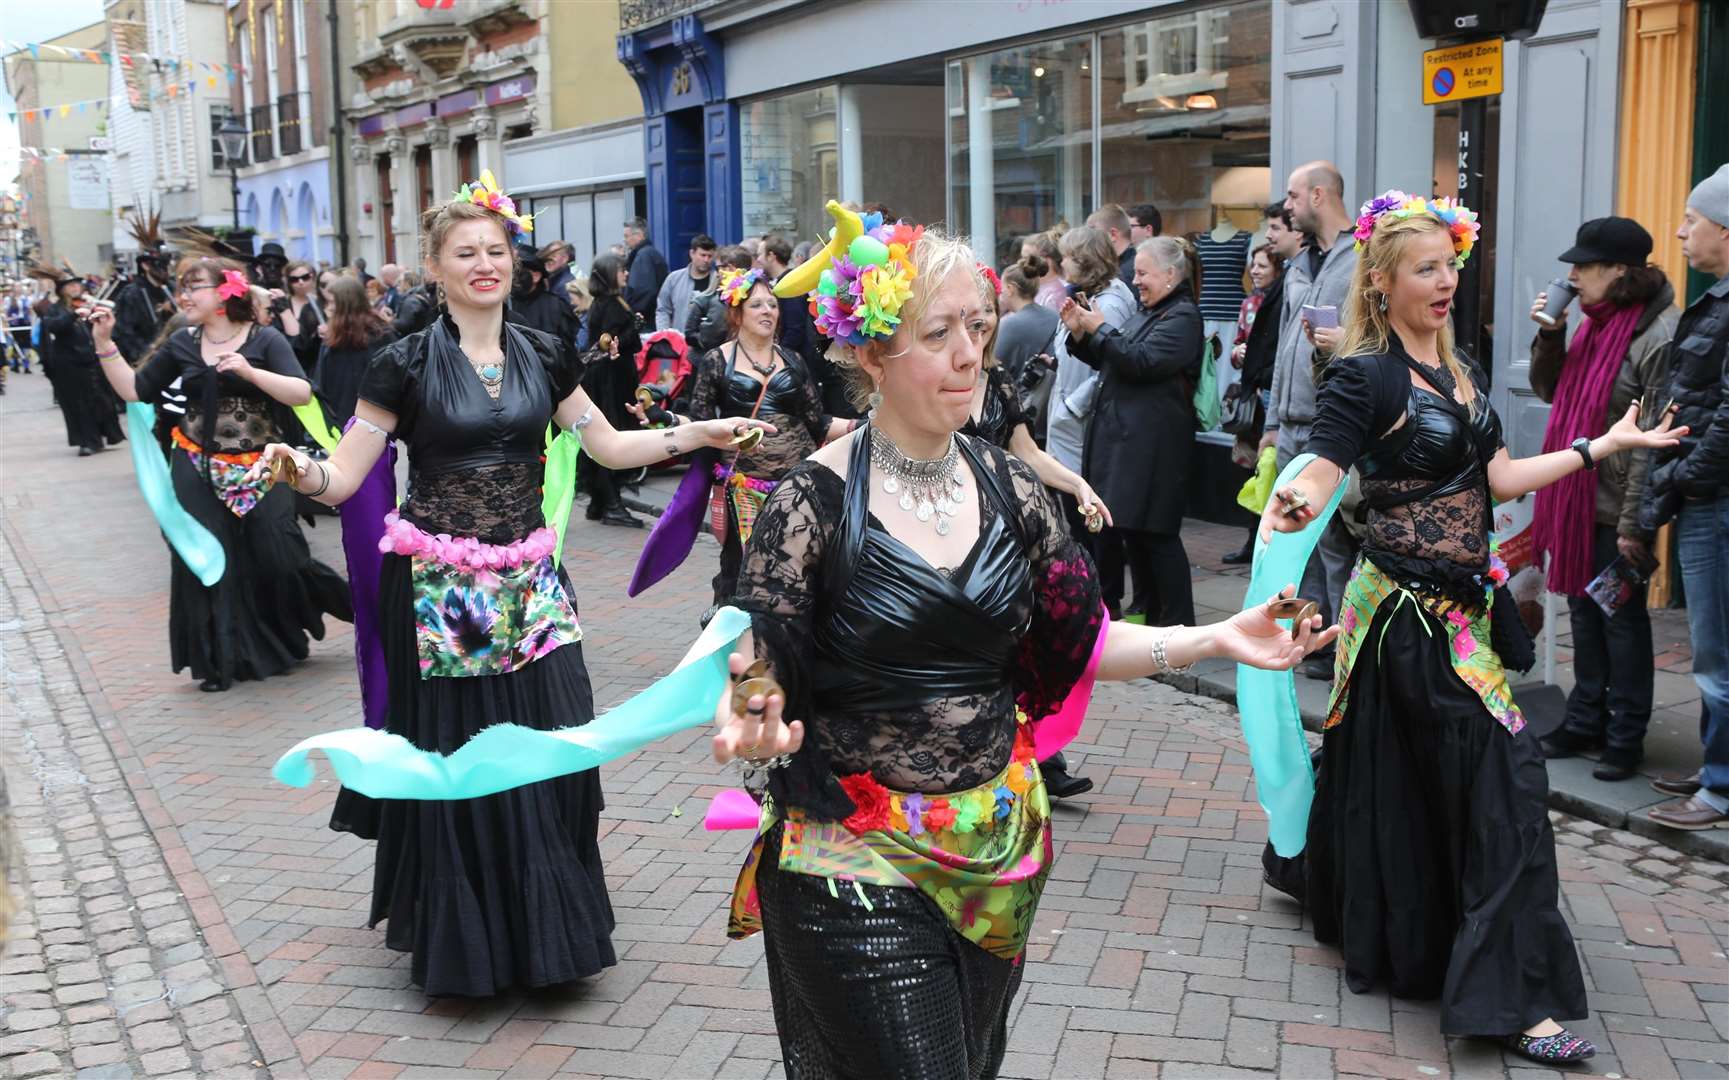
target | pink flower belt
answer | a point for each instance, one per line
(464, 552)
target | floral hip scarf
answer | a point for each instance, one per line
(745, 494)
(227, 474)
(482, 609)
(980, 855)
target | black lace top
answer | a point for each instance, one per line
(1423, 457)
(475, 464)
(901, 669)
(224, 413)
(792, 402)
(1002, 411)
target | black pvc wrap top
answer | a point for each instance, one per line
(475, 465)
(1423, 457)
(910, 672)
(791, 401)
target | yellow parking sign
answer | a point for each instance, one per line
(1462, 71)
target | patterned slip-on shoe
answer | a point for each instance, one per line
(1561, 1048)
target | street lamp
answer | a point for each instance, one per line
(232, 135)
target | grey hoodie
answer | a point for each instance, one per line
(1293, 403)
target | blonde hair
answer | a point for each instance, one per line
(936, 257)
(1366, 329)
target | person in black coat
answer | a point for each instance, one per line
(1142, 431)
(69, 360)
(533, 305)
(648, 270)
(142, 308)
(610, 381)
(417, 311)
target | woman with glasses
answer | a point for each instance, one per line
(240, 379)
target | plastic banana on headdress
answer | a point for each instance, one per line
(861, 278)
(486, 192)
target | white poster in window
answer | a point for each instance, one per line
(87, 182)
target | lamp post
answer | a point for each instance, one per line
(232, 135)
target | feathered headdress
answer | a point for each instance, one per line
(50, 273)
(147, 231)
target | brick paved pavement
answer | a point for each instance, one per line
(1157, 952)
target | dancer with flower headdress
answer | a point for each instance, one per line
(477, 619)
(1430, 859)
(751, 374)
(240, 379)
(923, 628)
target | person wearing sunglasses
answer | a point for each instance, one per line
(295, 313)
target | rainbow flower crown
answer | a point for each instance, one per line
(735, 284)
(860, 280)
(486, 192)
(1461, 221)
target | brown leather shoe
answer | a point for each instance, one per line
(1694, 813)
(1682, 784)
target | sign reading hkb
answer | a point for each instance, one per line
(1462, 71)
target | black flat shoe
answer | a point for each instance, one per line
(1239, 557)
(1615, 768)
(1060, 785)
(215, 686)
(1561, 1048)
(619, 516)
(1566, 744)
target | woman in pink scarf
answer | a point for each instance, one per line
(1588, 520)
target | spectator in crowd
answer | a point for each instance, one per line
(1690, 486)
(1584, 522)
(1145, 222)
(577, 293)
(1142, 430)
(1047, 271)
(1266, 274)
(533, 305)
(359, 268)
(390, 276)
(417, 311)
(558, 256)
(706, 325)
(752, 246)
(1091, 265)
(1320, 277)
(648, 270)
(610, 380)
(1115, 221)
(673, 305)
(1027, 331)
(296, 315)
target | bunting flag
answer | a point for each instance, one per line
(170, 91)
(69, 54)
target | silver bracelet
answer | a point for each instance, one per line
(372, 427)
(779, 761)
(584, 420)
(1162, 662)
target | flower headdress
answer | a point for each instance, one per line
(486, 192)
(234, 284)
(1461, 221)
(735, 284)
(860, 280)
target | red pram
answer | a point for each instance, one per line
(663, 376)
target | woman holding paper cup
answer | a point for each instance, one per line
(1430, 858)
(920, 613)
(478, 621)
(1589, 522)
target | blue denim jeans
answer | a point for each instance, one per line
(1703, 543)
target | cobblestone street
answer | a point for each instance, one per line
(180, 913)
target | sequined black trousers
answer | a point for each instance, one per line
(888, 990)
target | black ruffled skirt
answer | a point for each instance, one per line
(1430, 858)
(254, 623)
(878, 990)
(502, 891)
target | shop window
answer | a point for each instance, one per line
(1021, 142)
(423, 179)
(790, 152)
(1185, 103)
(467, 158)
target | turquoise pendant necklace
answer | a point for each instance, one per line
(491, 377)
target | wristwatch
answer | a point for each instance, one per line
(1583, 445)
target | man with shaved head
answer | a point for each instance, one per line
(1320, 276)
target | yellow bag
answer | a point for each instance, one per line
(1259, 487)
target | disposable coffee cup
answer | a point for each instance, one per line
(1560, 295)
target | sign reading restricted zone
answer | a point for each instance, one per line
(1462, 71)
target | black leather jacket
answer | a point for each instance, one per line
(1699, 385)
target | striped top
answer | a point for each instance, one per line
(1222, 267)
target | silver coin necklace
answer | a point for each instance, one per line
(933, 489)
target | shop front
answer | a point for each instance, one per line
(581, 185)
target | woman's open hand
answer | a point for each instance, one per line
(757, 734)
(1252, 636)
